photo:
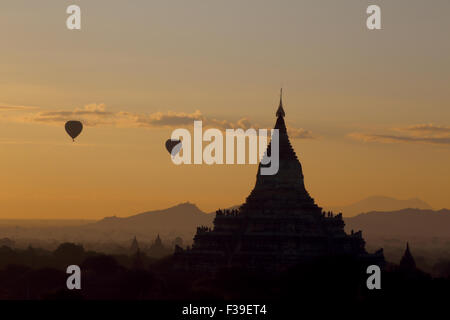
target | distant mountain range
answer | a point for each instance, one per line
(402, 223)
(182, 219)
(380, 203)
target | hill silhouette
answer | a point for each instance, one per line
(180, 215)
(402, 223)
(379, 203)
(427, 231)
(182, 219)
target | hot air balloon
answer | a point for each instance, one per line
(74, 128)
(173, 146)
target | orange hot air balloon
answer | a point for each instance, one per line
(74, 128)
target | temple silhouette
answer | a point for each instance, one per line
(407, 262)
(277, 227)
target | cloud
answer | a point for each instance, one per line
(167, 120)
(48, 143)
(245, 123)
(420, 133)
(7, 107)
(426, 129)
(90, 115)
(93, 115)
(299, 133)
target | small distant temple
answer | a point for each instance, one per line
(277, 227)
(157, 243)
(157, 249)
(407, 263)
(134, 246)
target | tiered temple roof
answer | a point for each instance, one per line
(286, 188)
(278, 226)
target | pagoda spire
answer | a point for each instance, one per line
(287, 185)
(280, 111)
(134, 245)
(280, 125)
(407, 262)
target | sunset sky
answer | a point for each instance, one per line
(369, 110)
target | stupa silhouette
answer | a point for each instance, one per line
(277, 227)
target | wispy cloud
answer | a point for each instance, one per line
(47, 143)
(420, 133)
(7, 107)
(93, 115)
(428, 128)
(299, 133)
